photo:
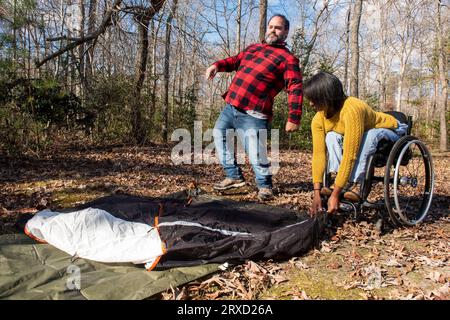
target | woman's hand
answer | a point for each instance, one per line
(333, 201)
(316, 204)
(333, 204)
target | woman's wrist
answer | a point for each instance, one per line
(336, 191)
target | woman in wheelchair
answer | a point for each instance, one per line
(345, 132)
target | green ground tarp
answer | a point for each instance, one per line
(29, 270)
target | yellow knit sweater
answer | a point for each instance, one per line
(351, 121)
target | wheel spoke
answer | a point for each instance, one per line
(416, 167)
(407, 168)
(411, 189)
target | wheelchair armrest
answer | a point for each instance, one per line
(402, 118)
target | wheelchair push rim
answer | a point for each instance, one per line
(412, 182)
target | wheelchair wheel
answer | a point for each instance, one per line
(368, 179)
(409, 182)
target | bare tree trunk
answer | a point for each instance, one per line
(89, 72)
(354, 48)
(184, 68)
(143, 17)
(139, 131)
(46, 44)
(14, 42)
(262, 19)
(152, 71)
(434, 103)
(176, 70)
(30, 72)
(155, 32)
(165, 108)
(37, 47)
(407, 35)
(382, 60)
(81, 47)
(442, 59)
(238, 26)
(251, 8)
(398, 106)
(347, 35)
(366, 77)
(71, 68)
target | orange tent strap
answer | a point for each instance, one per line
(28, 233)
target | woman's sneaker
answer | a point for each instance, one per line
(353, 192)
(228, 183)
(325, 191)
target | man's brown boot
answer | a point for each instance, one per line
(228, 183)
(265, 194)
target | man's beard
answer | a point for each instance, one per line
(274, 39)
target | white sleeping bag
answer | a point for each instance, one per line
(97, 235)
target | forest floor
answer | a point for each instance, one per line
(355, 260)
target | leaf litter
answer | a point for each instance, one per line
(403, 263)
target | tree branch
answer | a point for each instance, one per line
(107, 20)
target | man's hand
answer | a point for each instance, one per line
(291, 127)
(211, 72)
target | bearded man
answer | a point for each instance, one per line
(262, 71)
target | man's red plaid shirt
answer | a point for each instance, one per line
(262, 71)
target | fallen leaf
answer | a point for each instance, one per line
(26, 210)
(326, 247)
(335, 238)
(301, 265)
(333, 265)
(434, 276)
(254, 267)
(305, 296)
(277, 279)
(392, 262)
(443, 291)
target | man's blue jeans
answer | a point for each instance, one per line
(252, 134)
(368, 146)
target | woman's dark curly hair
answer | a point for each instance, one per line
(325, 91)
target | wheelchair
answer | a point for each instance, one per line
(408, 180)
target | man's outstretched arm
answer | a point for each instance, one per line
(294, 87)
(226, 65)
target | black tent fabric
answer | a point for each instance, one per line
(200, 232)
(206, 229)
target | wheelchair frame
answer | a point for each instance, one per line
(394, 156)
